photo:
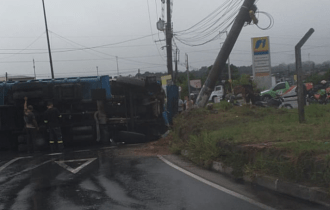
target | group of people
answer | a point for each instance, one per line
(51, 119)
(185, 105)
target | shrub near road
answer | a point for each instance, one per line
(259, 141)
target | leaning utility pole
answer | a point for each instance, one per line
(220, 62)
(49, 51)
(301, 97)
(169, 36)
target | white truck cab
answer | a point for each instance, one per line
(218, 92)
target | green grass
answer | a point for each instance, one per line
(299, 152)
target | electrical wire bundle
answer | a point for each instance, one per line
(271, 20)
(211, 27)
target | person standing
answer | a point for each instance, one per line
(31, 126)
(52, 119)
(189, 103)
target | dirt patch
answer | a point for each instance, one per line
(159, 147)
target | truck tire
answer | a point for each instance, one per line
(131, 137)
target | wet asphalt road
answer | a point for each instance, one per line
(104, 179)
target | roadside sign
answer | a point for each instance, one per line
(261, 61)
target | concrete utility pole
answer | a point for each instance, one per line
(117, 66)
(49, 51)
(187, 63)
(34, 70)
(229, 72)
(224, 53)
(301, 97)
(169, 36)
(97, 70)
(176, 67)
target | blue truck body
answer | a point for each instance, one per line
(94, 109)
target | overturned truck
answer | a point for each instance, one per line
(93, 109)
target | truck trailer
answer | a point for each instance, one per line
(94, 110)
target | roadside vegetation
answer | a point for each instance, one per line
(256, 140)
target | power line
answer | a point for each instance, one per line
(152, 31)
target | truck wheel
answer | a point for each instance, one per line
(266, 98)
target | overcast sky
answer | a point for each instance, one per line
(87, 34)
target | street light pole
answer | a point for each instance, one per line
(49, 51)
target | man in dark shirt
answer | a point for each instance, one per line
(52, 119)
(31, 126)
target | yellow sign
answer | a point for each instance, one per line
(261, 45)
(166, 79)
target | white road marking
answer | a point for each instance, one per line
(235, 194)
(76, 170)
(12, 161)
(87, 150)
(53, 154)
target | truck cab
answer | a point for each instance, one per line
(217, 92)
(277, 89)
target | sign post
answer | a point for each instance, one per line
(261, 62)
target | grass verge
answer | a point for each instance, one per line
(259, 140)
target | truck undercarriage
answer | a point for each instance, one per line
(93, 109)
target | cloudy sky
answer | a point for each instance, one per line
(88, 35)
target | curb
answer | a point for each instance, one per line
(312, 194)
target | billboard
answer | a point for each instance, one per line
(196, 83)
(261, 62)
(195, 86)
